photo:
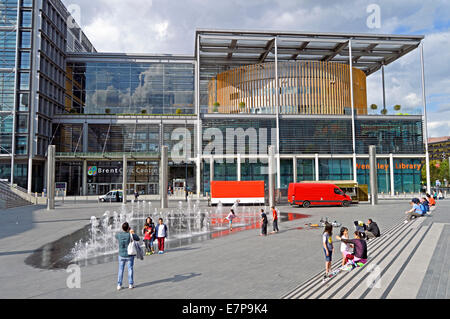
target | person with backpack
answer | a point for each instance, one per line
(415, 210)
(424, 206)
(124, 239)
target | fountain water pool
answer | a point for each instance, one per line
(96, 242)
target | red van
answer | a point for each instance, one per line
(323, 194)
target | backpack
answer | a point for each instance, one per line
(423, 208)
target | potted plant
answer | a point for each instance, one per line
(178, 111)
(397, 107)
(242, 106)
(216, 107)
(384, 111)
(373, 106)
(107, 111)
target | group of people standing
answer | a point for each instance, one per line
(264, 220)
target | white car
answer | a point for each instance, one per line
(111, 196)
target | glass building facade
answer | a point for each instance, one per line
(96, 107)
(135, 88)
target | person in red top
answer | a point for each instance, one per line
(432, 202)
(149, 236)
(275, 219)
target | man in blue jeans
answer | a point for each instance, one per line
(124, 239)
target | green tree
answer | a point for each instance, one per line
(439, 172)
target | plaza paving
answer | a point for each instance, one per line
(240, 265)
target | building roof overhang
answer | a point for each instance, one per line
(234, 48)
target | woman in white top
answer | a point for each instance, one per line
(346, 249)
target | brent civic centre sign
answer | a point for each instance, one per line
(137, 170)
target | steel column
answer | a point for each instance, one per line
(124, 179)
(391, 173)
(373, 175)
(51, 177)
(425, 129)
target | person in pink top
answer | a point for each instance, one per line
(230, 218)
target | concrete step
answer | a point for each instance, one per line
(389, 267)
(374, 245)
(416, 268)
(341, 286)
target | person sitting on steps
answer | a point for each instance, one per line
(372, 230)
(415, 210)
(359, 255)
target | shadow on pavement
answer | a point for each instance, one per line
(173, 279)
(17, 220)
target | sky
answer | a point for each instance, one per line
(168, 26)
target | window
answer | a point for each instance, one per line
(24, 81)
(24, 60)
(22, 123)
(25, 39)
(26, 3)
(23, 101)
(26, 19)
(21, 145)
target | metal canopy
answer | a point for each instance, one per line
(232, 48)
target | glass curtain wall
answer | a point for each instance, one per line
(8, 21)
(135, 88)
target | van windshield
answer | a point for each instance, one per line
(338, 191)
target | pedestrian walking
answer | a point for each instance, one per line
(124, 239)
(263, 223)
(275, 219)
(136, 195)
(161, 235)
(149, 236)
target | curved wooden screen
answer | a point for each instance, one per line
(305, 88)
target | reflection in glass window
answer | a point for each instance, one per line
(22, 123)
(155, 88)
(21, 145)
(335, 169)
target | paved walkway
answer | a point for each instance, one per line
(241, 265)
